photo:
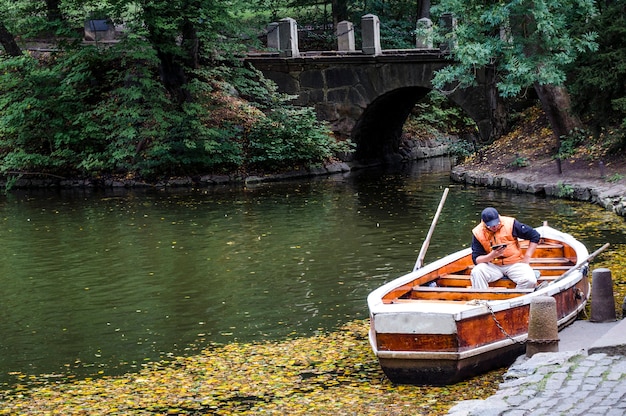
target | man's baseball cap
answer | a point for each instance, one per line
(490, 217)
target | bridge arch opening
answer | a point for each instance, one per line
(378, 133)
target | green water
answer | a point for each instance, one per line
(99, 282)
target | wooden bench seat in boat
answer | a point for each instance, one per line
(463, 293)
(463, 280)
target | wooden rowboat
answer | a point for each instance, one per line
(431, 327)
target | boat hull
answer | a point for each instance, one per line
(438, 372)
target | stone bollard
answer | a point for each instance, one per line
(448, 24)
(543, 329)
(370, 34)
(273, 38)
(424, 34)
(602, 300)
(288, 38)
(345, 36)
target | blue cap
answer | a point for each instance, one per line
(490, 217)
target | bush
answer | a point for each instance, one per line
(89, 112)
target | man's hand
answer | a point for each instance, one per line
(499, 251)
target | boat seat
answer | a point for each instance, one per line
(463, 280)
(465, 293)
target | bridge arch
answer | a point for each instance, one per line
(368, 98)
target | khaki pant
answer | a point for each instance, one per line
(521, 273)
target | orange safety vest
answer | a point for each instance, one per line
(504, 235)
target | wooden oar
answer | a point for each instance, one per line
(581, 264)
(422, 253)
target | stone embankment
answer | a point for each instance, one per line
(610, 195)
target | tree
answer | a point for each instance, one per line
(172, 96)
(8, 41)
(339, 10)
(529, 44)
(598, 86)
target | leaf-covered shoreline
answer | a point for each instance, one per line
(334, 373)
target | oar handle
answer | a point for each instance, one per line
(582, 263)
(422, 253)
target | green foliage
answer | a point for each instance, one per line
(288, 136)
(570, 144)
(435, 115)
(526, 42)
(564, 190)
(520, 162)
(462, 148)
(93, 111)
(440, 114)
(616, 177)
(597, 86)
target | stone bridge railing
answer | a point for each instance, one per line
(367, 94)
(282, 36)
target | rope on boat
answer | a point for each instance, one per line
(493, 315)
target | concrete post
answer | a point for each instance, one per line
(602, 300)
(448, 23)
(543, 328)
(370, 32)
(345, 36)
(424, 35)
(288, 38)
(273, 37)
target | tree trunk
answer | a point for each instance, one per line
(423, 9)
(173, 76)
(172, 64)
(191, 44)
(8, 42)
(53, 10)
(340, 11)
(555, 101)
(498, 107)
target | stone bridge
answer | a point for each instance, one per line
(367, 95)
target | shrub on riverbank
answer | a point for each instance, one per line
(86, 112)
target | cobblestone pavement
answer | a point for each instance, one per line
(568, 383)
(588, 380)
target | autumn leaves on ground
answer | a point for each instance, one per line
(333, 373)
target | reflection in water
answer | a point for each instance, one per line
(103, 281)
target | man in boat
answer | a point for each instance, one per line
(496, 251)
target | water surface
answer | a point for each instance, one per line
(99, 282)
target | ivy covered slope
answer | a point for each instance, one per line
(171, 97)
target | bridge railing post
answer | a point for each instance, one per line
(273, 38)
(345, 36)
(424, 34)
(370, 31)
(288, 38)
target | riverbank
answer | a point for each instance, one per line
(596, 190)
(411, 149)
(522, 161)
